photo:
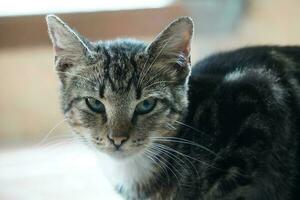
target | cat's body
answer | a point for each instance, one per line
(243, 105)
(252, 112)
(229, 131)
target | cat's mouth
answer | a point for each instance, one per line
(122, 152)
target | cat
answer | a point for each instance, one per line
(226, 128)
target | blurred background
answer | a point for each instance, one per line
(29, 102)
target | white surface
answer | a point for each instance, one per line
(34, 7)
(65, 172)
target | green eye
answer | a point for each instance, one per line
(95, 105)
(145, 106)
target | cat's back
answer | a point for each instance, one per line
(269, 63)
(287, 57)
(248, 100)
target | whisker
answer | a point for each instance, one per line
(177, 158)
(54, 146)
(185, 155)
(174, 157)
(149, 155)
(167, 154)
(166, 165)
(50, 132)
(67, 135)
(200, 161)
(193, 128)
(183, 141)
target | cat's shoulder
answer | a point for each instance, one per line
(225, 62)
(250, 73)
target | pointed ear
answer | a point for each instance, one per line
(170, 51)
(66, 42)
(175, 40)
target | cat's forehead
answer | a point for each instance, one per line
(122, 48)
(120, 69)
(117, 68)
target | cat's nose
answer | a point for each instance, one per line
(118, 138)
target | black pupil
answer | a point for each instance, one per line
(97, 104)
(146, 104)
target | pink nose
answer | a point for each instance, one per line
(118, 139)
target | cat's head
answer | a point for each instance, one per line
(120, 95)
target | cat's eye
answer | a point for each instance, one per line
(145, 106)
(95, 105)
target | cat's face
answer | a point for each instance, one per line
(120, 95)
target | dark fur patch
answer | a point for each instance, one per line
(243, 119)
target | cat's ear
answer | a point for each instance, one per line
(66, 42)
(175, 38)
(173, 44)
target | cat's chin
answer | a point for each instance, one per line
(121, 154)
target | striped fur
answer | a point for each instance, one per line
(227, 130)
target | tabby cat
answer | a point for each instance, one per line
(227, 128)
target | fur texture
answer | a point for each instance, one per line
(227, 130)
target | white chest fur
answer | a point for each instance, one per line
(126, 173)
